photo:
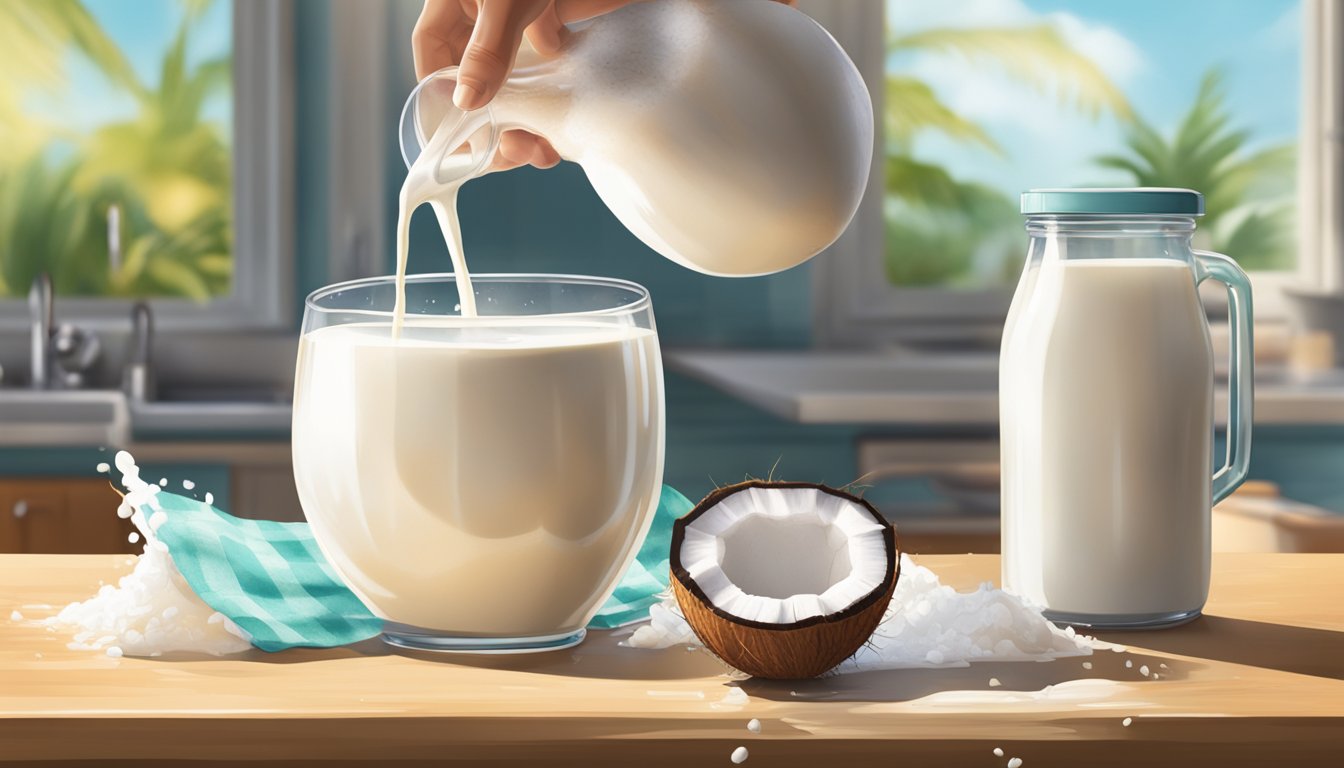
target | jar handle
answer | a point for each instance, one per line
(1241, 372)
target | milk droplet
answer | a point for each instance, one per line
(754, 725)
(994, 682)
(209, 498)
(1143, 670)
(1087, 665)
(188, 484)
(1129, 665)
(1015, 762)
(1127, 721)
(133, 537)
(998, 751)
(739, 756)
(114, 652)
(15, 616)
(103, 467)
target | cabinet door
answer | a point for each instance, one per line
(38, 508)
(12, 511)
(91, 517)
(61, 516)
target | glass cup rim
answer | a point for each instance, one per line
(642, 303)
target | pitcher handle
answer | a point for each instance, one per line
(1241, 371)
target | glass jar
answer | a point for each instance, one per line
(1106, 399)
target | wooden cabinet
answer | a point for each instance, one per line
(61, 516)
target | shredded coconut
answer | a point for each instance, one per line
(735, 696)
(152, 610)
(928, 625)
(666, 627)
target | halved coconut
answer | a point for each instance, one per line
(783, 580)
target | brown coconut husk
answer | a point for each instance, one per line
(801, 649)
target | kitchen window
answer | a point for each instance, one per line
(147, 156)
(979, 101)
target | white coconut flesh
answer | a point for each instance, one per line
(782, 555)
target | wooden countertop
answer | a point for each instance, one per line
(1259, 680)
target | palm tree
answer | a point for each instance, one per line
(938, 227)
(167, 168)
(182, 167)
(1248, 210)
(35, 36)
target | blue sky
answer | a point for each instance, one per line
(143, 29)
(1155, 50)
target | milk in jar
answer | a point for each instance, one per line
(1107, 409)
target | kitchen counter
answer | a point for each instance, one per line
(1258, 680)
(946, 389)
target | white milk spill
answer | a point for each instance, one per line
(927, 625)
(510, 460)
(1101, 464)
(152, 610)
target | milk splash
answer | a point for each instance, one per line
(928, 625)
(152, 610)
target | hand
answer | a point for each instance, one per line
(482, 38)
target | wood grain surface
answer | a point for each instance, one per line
(1259, 680)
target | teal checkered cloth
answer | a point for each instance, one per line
(271, 579)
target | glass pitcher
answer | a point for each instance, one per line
(733, 138)
(1106, 400)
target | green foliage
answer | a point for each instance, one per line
(914, 107)
(973, 241)
(1248, 208)
(166, 168)
(941, 231)
(1036, 54)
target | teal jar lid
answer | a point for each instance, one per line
(1133, 201)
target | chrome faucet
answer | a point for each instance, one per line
(61, 356)
(40, 314)
(138, 379)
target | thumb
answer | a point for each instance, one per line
(490, 53)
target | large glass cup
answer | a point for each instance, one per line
(481, 483)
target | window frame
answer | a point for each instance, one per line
(851, 308)
(263, 197)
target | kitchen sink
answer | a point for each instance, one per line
(62, 417)
(261, 394)
(215, 411)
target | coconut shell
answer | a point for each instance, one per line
(798, 650)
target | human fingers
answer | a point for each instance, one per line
(518, 147)
(440, 35)
(493, 46)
